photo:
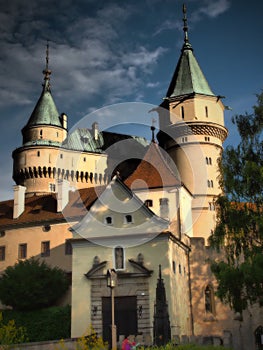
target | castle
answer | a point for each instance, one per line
(81, 204)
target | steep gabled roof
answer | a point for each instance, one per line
(153, 171)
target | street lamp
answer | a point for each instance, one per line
(112, 283)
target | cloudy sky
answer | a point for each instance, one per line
(116, 51)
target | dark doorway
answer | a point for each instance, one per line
(259, 338)
(125, 316)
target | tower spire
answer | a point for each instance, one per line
(47, 71)
(185, 28)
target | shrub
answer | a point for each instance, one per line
(31, 284)
(11, 334)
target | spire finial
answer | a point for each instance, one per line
(47, 71)
(153, 129)
(185, 25)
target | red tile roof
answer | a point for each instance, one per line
(39, 209)
(153, 171)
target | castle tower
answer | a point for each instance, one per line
(191, 120)
(34, 163)
(49, 154)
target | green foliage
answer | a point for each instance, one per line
(31, 284)
(89, 341)
(239, 230)
(46, 324)
(189, 347)
(10, 333)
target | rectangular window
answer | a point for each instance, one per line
(52, 187)
(22, 251)
(2, 253)
(45, 248)
(148, 203)
(68, 248)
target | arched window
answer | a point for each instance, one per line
(119, 257)
(209, 300)
(108, 220)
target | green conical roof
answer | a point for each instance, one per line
(45, 111)
(188, 77)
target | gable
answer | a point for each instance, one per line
(118, 215)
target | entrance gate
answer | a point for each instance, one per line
(125, 316)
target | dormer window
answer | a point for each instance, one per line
(108, 220)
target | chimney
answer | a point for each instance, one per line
(64, 120)
(19, 200)
(63, 194)
(95, 130)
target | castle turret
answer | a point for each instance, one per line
(48, 154)
(191, 121)
(34, 163)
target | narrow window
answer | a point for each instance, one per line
(174, 267)
(2, 253)
(128, 219)
(45, 248)
(108, 220)
(84, 159)
(206, 111)
(180, 269)
(52, 187)
(22, 251)
(148, 203)
(38, 153)
(210, 161)
(208, 183)
(206, 159)
(41, 134)
(164, 207)
(68, 248)
(61, 156)
(119, 257)
(209, 300)
(212, 184)
(182, 112)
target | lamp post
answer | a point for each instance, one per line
(111, 283)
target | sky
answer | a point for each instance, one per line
(104, 53)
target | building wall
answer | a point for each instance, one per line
(39, 167)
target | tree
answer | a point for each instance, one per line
(239, 229)
(31, 284)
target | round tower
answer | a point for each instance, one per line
(49, 154)
(191, 121)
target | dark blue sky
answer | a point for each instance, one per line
(108, 52)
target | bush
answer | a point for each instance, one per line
(47, 324)
(10, 333)
(31, 285)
